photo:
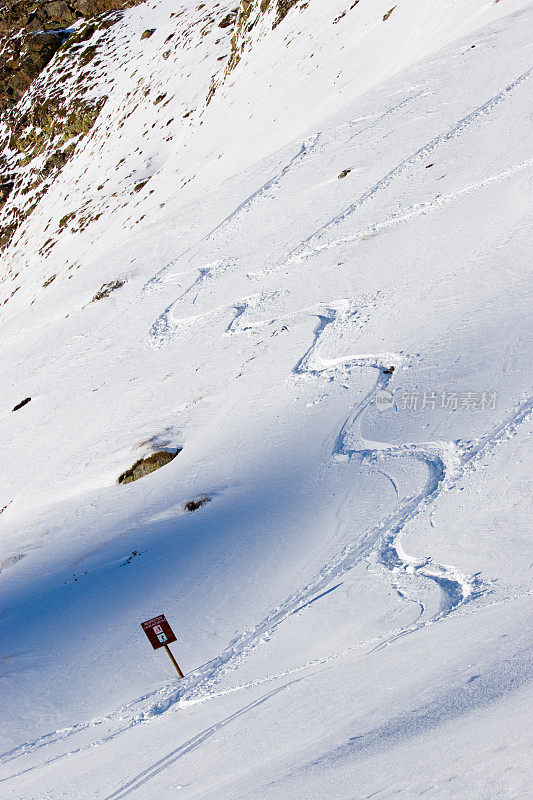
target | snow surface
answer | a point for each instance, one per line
(353, 606)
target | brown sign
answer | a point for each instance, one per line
(158, 631)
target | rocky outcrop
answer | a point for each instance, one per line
(106, 289)
(194, 505)
(248, 16)
(244, 19)
(32, 33)
(283, 7)
(22, 403)
(144, 466)
(44, 132)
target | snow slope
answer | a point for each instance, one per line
(353, 604)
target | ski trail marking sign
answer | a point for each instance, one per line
(158, 631)
(160, 634)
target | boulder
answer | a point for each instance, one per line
(144, 466)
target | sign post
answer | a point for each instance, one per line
(160, 634)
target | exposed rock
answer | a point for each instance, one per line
(341, 16)
(46, 130)
(144, 466)
(22, 404)
(147, 33)
(283, 8)
(106, 289)
(48, 120)
(194, 505)
(32, 33)
(50, 127)
(247, 16)
(228, 20)
(6, 187)
(389, 12)
(134, 554)
(344, 173)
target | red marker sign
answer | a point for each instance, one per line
(161, 634)
(158, 631)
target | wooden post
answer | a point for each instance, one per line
(178, 670)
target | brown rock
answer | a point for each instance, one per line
(144, 466)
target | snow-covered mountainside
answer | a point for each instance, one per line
(277, 249)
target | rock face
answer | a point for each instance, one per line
(51, 125)
(244, 18)
(144, 466)
(45, 114)
(32, 33)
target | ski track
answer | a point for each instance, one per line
(380, 544)
(313, 244)
(166, 321)
(421, 209)
(192, 744)
(307, 146)
(389, 111)
(163, 277)
(307, 246)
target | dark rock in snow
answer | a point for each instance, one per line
(22, 404)
(106, 289)
(194, 505)
(144, 466)
(228, 20)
